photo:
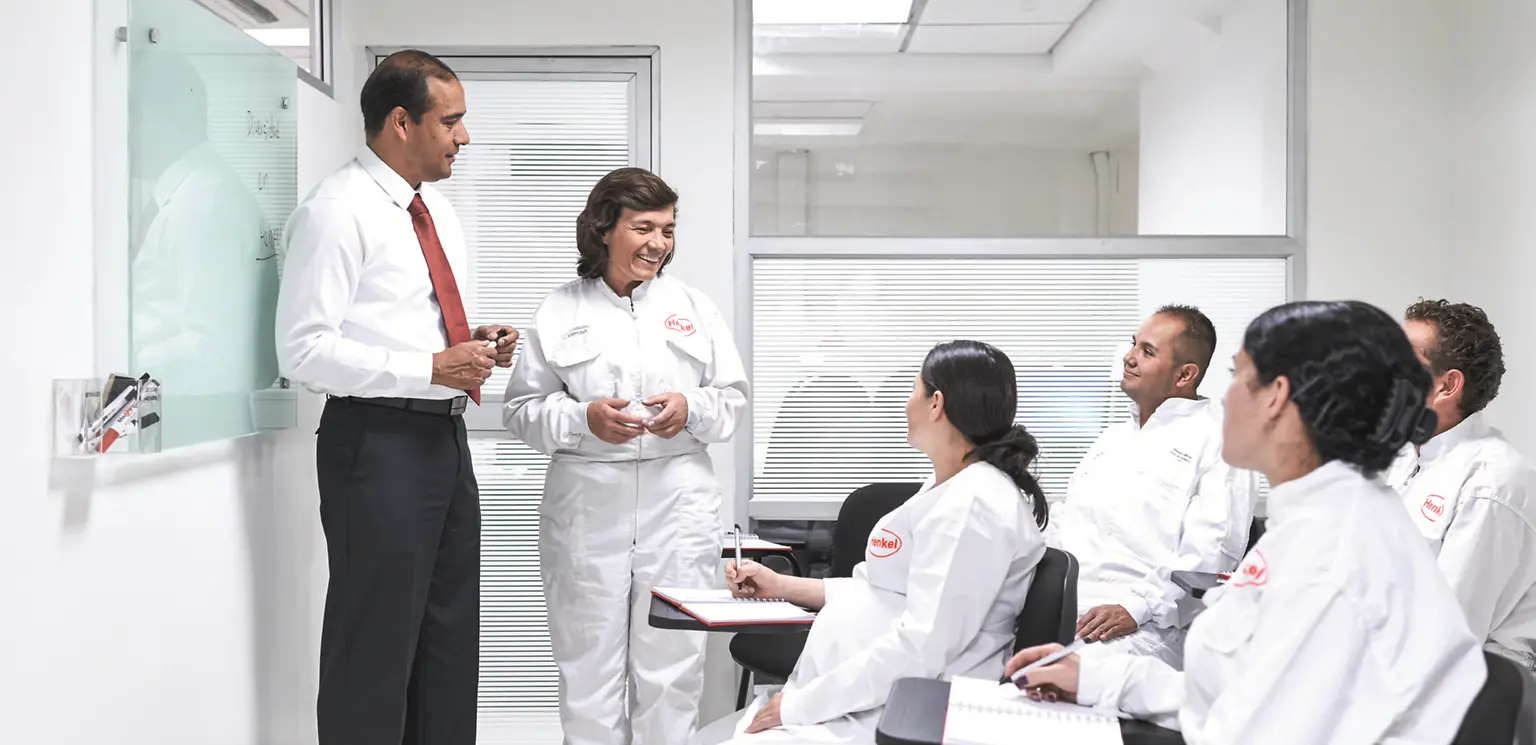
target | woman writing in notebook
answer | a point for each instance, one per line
(944, 576)
(1336, 627)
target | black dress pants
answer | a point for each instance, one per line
(400, 646)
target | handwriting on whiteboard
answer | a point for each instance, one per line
(262, 127)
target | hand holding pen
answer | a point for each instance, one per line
(1048, 672)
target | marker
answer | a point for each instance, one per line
(1049, 659)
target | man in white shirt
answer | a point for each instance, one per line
(370, 314)
(1153, 496)
(1470, 494)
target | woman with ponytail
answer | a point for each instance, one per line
(944, 576)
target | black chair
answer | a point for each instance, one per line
(1050, 607)
(1255, 531)
(1504, 711)
(775, 655)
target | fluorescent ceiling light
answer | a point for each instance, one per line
(280, 37)
(808, 128)
(830, 11)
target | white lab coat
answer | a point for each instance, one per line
(1474, 499)
(618, 520)
(1148, 501)
(1335, 629)
(941, 586)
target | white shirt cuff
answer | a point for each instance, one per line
(578, 419)
(413, 370)
(1138, 607)
(1099, 679)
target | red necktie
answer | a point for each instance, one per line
(443, 285)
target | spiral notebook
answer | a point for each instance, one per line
(981, 712)
(718, 608)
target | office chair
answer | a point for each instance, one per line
(1255, 532)
(1050, 607)
(1504, 711)
(775, 655)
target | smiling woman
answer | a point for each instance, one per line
(626, 376)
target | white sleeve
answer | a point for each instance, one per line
(1297, 672)
(538, 410)
(1212, 539)
(962, 559)
(321, 272)
(1485, 545)
(715, 407)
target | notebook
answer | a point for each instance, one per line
(718, 608)
(981, 712)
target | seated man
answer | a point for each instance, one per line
(1467, 490)
(1153, 496)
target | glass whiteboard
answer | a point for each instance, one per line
(213, 176)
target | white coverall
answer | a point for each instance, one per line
(1329, 632)
(1474, 498)
(1147, 501)
(618, 520)
(941, 586)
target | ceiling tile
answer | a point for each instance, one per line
(1009, 39)
(943, 12)
(834, 39)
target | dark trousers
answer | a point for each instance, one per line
(400, 647)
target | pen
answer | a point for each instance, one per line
(737, 535)
(1047, 660)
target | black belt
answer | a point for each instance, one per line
(438, 406)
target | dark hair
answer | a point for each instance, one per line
(980, 398)
(400, 82)
(1353, 377)
(634, 188)
(1197, 343)
(1465, 340)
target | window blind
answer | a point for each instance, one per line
(537, 148)
(837, 343)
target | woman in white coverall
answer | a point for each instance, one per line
(625, 376)
(1337, 627)
(943, 578)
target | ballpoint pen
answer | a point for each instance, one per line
(737, 535)
(1046, 660)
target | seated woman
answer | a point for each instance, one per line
(1337, 627)
(943, 578)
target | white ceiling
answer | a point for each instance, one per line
(261, 14)
(1055, 73)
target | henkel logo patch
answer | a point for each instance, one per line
(884, 544)
(680, 325)
(1253, 572)
(1433, 508)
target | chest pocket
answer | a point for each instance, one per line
(574, 357)
(691, 357)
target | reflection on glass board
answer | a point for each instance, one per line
(213, 167)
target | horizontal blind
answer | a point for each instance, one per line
(537, 148)
(837, 343)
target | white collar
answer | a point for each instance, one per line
(1172, 409)
(172, 179)
(1471, 428)
(1294, 497)
(391, 182)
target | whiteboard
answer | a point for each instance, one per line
(213, 176)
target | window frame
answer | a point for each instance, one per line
(749, 247)
(322, 38)
(619, 63)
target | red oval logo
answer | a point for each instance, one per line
(884, 544)
(680, 325)
(1253, 572)
(1433, 508)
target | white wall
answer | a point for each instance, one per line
(169, 599)
(920, 189)
(1379, 154)
(696, 154)
(1491, 248)
(1213, 129)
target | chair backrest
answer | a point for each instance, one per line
(1050, 607)
(1505, 709)
(1255, 531)
(856, 520)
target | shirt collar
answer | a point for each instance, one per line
(1471, 428)
(637, 295)
(1316, 488)
(1172, 409)
(390, 181)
